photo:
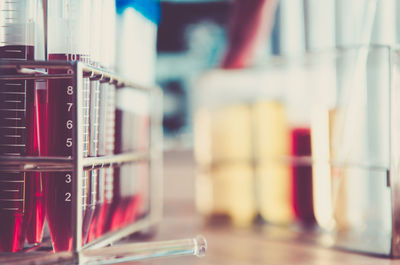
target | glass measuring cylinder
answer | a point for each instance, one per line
(106, 115)
(67, 40)
(60, 126)
(35, 181)
(17, 124)
(96, 176)
(127, 195)
(106, 147)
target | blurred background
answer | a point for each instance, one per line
(192, 38)
(286, 105)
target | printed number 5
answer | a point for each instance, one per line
(69, 142)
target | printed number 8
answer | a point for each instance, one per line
(70, 90)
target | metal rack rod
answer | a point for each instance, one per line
(52, 164)
(113, 160)
(88, 71)
(35, 76)
(36, 161)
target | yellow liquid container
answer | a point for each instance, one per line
(223, 149)
(271, 146)
(339, 181)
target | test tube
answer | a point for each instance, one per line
(93, 201)
(302, 175)
(324, 74)
(139, 203)
(17, 126)
(126, 193)
(142, 251)
(35, 180)
(109, 146)
(135, 60)
(67, 40)
(35, 196)
(106, 119)
(119, 254)
(292, 43)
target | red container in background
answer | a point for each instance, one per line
(302, 176)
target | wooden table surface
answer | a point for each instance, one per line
(228, 245)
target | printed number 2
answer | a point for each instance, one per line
(67, 196)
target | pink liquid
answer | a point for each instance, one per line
(97, 206)
(124, 134)
(61, 107)
(102, 226)
(106, 147)
(59, 185)
(114, 219)
(144, 188)
(16, 133)
(129, 206)
(35, 181)
(132, 133)
(302, 177)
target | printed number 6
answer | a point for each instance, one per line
(70, 125)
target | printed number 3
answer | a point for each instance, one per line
(68, 178)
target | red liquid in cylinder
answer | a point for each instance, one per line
(35, 181)
(16, 139)
(61, 106)
(144, 188)
(133, 202)
(302, 177)
(124, 141)
(106, 147)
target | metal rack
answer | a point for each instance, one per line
(76, 71)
